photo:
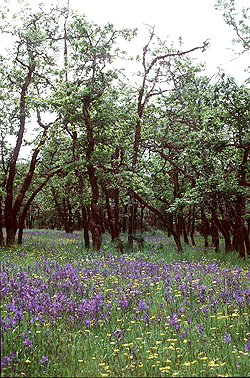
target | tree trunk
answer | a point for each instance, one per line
(81, 191)
(95, 227)
(225, 230)
(215, 235)
(141, 220)
(189, 220)
(71, 225)
(164, 219)
(28, 203)
(68, 216)
(1, 224)
(62, 213)
(108, 207)
(95, 221)
(247, 242)
(224, 227)
(238, 232)
(178, 223)
(131, 217)
(204, 226)
(79, 220)
(10, 222)
(248, 226)
(135, 217)
(170, 218)
(140, 107)
(117, 220)
(27, 181)
(183, 228)
(85, 223)
(192, 224)
(124, 221)
(116, 193)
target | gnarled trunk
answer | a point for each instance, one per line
(1, 224)
(28, 203)
(124, 220)
(204, 226)
(109, 212)
(215, 235)
(10, 218)
(238, 231)
(117, 215)
(175, 234)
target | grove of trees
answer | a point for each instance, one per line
(170, 151)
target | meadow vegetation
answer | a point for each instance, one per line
(68, 312)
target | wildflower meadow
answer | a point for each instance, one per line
(151, 312)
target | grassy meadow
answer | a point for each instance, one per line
(67, 312)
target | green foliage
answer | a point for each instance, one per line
(194, 131)
(239, 22)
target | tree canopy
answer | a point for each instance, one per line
(170, 151)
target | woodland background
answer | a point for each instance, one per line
(167, 149)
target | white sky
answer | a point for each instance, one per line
(193, 20)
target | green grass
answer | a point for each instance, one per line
(146, 321)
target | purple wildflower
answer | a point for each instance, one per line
(182, 287)
(7, 360)
(5, 326)
(227, 338)
(174, 320)
(117, 334)
(177, 277)
(200, 328)
(44, 359)
(4, 361)
(205, 311)
(141, 305)
(27, 339)
(87, 322)
(247, 346)
(181, 310)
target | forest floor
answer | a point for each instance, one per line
(68, 312)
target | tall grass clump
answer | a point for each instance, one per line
(66, 312)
